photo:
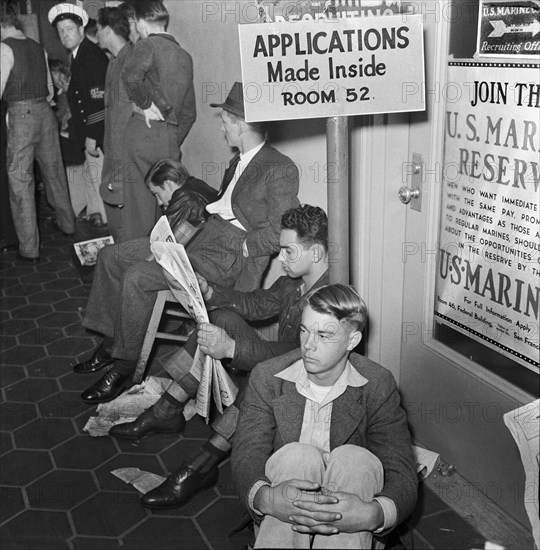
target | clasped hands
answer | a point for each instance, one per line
(316, 510)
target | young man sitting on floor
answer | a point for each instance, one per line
(322, 455)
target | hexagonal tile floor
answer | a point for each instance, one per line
(56, 489)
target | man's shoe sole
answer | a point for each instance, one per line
(104, 364)
(150, 432)
(104, 400)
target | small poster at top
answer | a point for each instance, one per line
(508, 28)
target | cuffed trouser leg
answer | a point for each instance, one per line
(350, 469)
(49, 157)
(140, 286)
(178, 367)
(23, 135)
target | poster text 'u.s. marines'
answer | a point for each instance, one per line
(489, 270)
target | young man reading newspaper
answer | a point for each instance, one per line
(121, 270)
(304, 257)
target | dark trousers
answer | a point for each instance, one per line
(125, 285)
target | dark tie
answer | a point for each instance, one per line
(229, 174)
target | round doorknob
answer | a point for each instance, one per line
(406, 195)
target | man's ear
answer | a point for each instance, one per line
(317, 252)
(354, 339)
(172, 186)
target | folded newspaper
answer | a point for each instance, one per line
(213, 378)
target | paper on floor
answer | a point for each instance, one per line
(129, 405)
(425, 460)
(142, 481)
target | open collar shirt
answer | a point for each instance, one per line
(223, 206)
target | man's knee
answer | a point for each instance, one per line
(350, 461)
(134, 277)
(107, 254)
(360, 457)
(295, 460)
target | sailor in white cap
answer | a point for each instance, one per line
(65, 10)
(85, 96)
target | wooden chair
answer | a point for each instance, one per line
(174, 309)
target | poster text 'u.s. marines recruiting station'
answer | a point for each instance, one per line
(342, 67)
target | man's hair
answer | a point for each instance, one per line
(153, 11)
(310, 224)
(127, 10)
(259, 127)
(11, 20)
(91, 28)
(340, 301)
(166, 169)
(116, 20)
(59, 66)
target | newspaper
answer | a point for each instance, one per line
(162, 231)
(213, 378)
(87, 251)
(524, 425)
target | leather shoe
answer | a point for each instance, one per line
(147, 423)
(106, 388)
(99, 360)
(182, 485)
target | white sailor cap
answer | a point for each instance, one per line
(66, 10)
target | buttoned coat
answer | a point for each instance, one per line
(369, 416)
(86, 94)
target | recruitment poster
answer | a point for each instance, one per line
(332, 67)
(509, 28)
(489, 271)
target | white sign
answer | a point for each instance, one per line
(334, 67)
(489, 264)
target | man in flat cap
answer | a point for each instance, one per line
(85, 96)
(32, 135)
